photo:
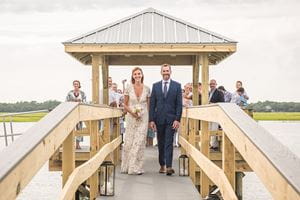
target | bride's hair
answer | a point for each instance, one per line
(135, 69)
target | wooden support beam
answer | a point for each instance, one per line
(205, 137)
(94, 141)
(94, 148)
(96, 60)
(105, 72)
(183, 133)
(171, 48)
(192, 142)
(68, 157)
(228, 164)
(154, 60)
(204, 78)
(196, 80)
(116, 134)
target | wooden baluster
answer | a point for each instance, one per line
(68, 157)
(116, 134)
(94, 129)
(228, 159)
(204, 180)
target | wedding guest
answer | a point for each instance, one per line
(76, 95)
(238, 97)
(238, 85)
(187, 96)
(215, 96)
(200, 93)
(227, 95)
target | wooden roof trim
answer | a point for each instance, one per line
(166, 48)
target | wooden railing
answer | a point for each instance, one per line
(274, 164)
(22, 160)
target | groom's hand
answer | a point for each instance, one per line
(152, 126)
(175, 124)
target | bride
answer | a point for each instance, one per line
(137, 97)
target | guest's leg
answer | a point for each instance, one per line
(213, 139)
(169, 137)
(161, 144)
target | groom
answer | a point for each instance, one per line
(164, 116)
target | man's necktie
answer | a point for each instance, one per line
(165, 89)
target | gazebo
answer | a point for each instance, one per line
(152, 37)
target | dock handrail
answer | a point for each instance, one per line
(31, 151)
(84, 171)
(22, 113)
(275, 165)
(10, 116)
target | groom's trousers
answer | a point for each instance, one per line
(165, 136)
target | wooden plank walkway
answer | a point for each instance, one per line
(153, 185)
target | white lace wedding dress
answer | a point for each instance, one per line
(135, 133)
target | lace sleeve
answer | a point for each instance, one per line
(148, 92)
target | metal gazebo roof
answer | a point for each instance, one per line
(150, 27)
(150, 32)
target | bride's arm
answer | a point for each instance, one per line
(126, 106)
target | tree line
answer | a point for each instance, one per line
(24, 106)
(266, 106)
(272, 106)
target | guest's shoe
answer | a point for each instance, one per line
(214, 149)
(162, 170)
(170, 171)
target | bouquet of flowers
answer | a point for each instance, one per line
(138, 110)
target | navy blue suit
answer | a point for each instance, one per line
(164, 111)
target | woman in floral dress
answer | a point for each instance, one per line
(136, 104)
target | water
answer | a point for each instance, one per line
(47, 185)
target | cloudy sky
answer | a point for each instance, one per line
(34, 65)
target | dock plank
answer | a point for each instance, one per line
(153, 185)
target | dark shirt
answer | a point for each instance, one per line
(217, 96)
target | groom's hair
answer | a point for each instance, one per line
(166, 65)
(135, 69)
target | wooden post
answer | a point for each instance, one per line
(204, 180)
(96, 60)
(116, 134)
(68, 157)
(106, 122)
(192, 142)
(183, 133)
(195, 123)
(195, 80)
(105, 72)
(228, 157)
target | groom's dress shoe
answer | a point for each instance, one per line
(162, 170)
(170, 171)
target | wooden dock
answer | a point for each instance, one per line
(153, 185)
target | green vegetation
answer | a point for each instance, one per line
(33, 117)
(289, 116)
(267, 110)
(271, 106)
(24, 106)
